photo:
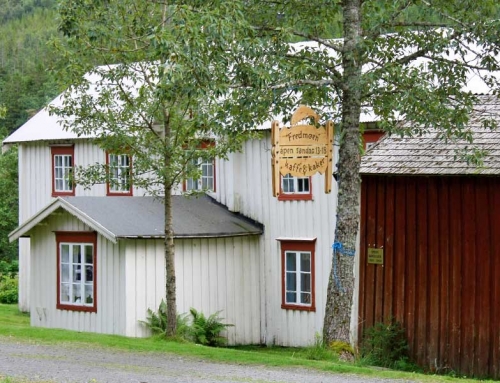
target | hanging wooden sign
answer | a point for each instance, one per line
(302, 150)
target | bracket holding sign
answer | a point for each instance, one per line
(302, 150)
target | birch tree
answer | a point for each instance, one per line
(408, 59)
(145, 79)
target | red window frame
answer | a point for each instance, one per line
(61, 150)
(295, 196)
(205, 144)
(298, 245)
(76, 237)
(114, 193)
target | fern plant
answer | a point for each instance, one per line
(157, 322)
(207, 331)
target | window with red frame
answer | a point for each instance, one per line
(295, 188)
(119, 168)
(76, 271)
(298, 275)
(63, 159)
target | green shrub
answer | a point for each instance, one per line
(385, 345)
(8, 269)
(9, 290)
(199, 329)
(205, 330)
(157, 321)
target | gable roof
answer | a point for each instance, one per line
(143, 217)
(41, 127)
(429, 155)
(44, 126)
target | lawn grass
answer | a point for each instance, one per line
(15, 326)
(6, 379)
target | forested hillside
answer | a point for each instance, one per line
(26, 85)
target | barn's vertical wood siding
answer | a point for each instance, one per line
(110, 315)
(244, 185)
(441, 269)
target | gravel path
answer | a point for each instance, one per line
(59, 364)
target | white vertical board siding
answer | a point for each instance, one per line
(222, 274)
(109, 317)
(24, 275)
(144, 278)
(35, 189)
(86, 154)
(35, 174)
(217, 274)
(24, 243)
(291, 219)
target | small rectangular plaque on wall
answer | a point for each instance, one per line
(375, 256)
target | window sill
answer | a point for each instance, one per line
(63, 194)
(88, 309)
(294, 197)
(298, 307)
(120, 194)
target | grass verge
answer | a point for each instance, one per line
(15, 326)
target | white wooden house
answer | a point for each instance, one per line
(268, 280)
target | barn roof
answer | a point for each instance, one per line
(143, 217)
(428, 154)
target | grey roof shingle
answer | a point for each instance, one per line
(193, 217)
(429, 155)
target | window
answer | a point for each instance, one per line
(62, 170)
(76, 271)
(206, 181)
(119, 174)
(295, 188)
(297, 263)
(206, 167)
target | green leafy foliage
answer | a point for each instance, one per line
(16, 9)
(9, 289)
(8, 269)
(158, 324)
(26, 82)
(385, 345)
(207, 330)
(26, 85)
(195, 327)
(8, 204)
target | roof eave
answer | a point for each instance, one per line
(51, 208)
(192, 236)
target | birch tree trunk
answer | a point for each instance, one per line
(170, 284)
(341, 282)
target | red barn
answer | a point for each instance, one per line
(430, 246)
